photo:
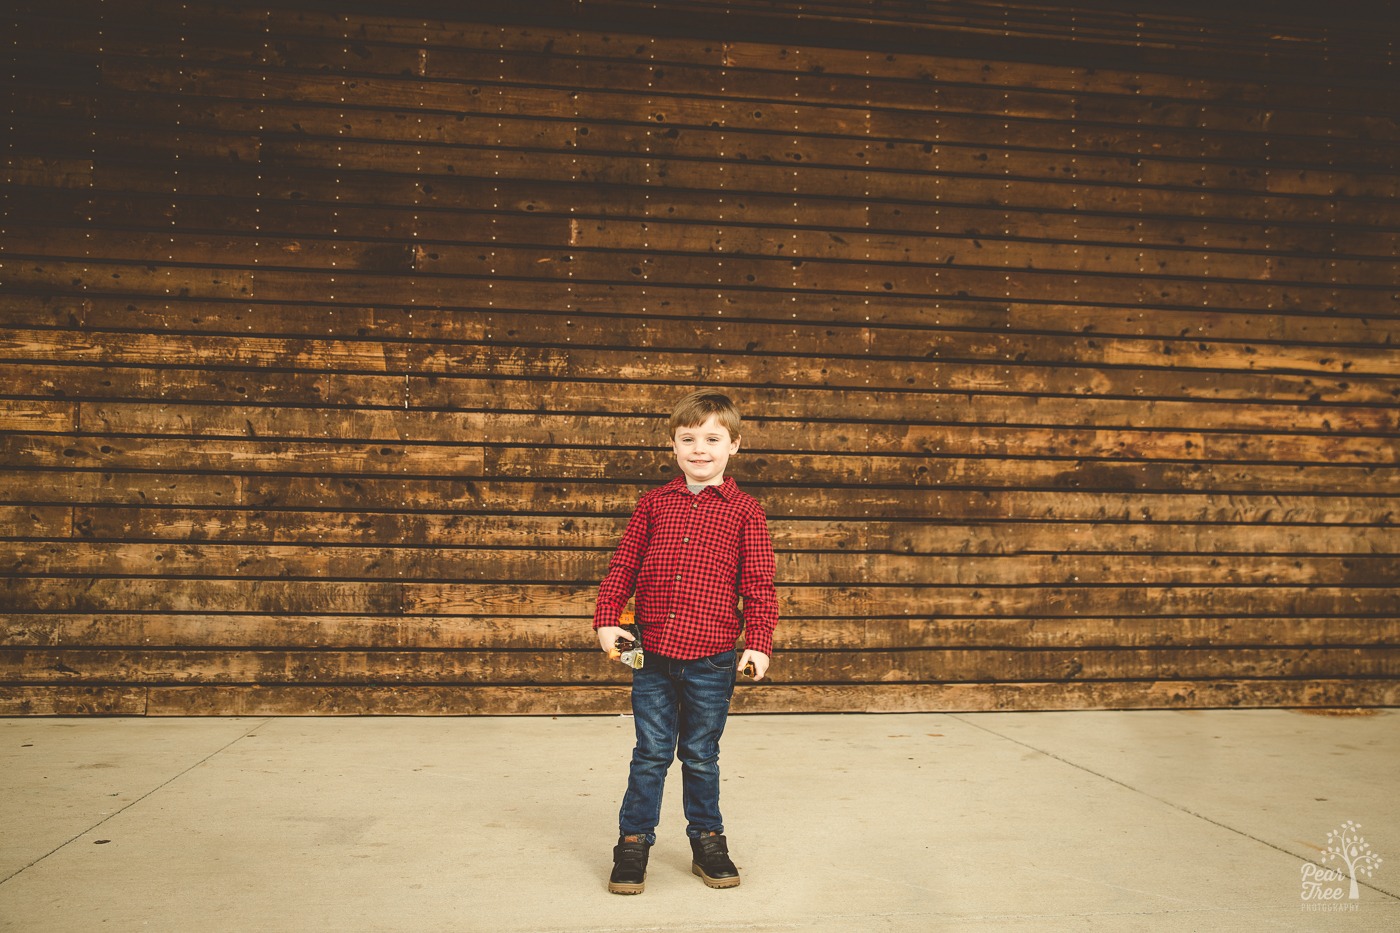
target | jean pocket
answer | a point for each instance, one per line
(720, 662)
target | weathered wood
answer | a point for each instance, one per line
(777, 436)
(945, 363)
(935, 276)
(149, 383)
(669, 330)
(950, 115)
(619, 498)
(316, 561)
(36, 522)
(456, 200)
(296, 232)
(339, 597)
(941, 174)
(315, 700)
(239, 666)
(947, 467)
(335, 350)
(53, 169)
(153, 382)
(242, 456)
(570, 529)
(576, 529)
(498, 53)
(953, 462)
(336, 597)
(1143, 694)
(961, 146)
(491, 32)
(495, 633)
(855, 601)
(28, 415)
(742, 177)
(240, 371)
(768, 698)
(127, 700)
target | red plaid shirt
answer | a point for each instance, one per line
(689, 558)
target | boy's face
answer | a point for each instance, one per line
(703, 451)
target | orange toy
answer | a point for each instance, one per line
(625, 620)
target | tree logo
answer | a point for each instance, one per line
(1353, 857)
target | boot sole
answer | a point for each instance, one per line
(619, 887)
(695, 869)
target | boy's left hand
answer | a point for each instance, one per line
(759, 660)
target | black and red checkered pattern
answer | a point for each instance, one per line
(689, 559)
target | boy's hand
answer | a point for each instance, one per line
(608, 636)
(759, 661)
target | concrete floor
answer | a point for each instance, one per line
(1149, 820)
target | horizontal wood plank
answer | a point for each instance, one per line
(337, 347)
(93, 382)
(342, 597)
(504, 633)
(346, 466)
(637, 264)
(209, 191)
(297, 234)
(940, 365)
(483, 86)
(69, 700)
(953, 143)
(36, 522)
(319, 561)
(505, 53)
(612, 700)
(22, 666)
(615, 497)
(575, 529)
(493, 32)
(773, 436)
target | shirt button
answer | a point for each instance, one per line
(671, 615)
(678, 576)
(685, 540)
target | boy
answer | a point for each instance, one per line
(691, 549)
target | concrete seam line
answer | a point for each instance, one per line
(114, 813)
(1174, 806)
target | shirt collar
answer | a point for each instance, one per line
(724, 490)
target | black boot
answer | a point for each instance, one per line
(629, 874)
(710, 860)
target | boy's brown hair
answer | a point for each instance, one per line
(698, 406)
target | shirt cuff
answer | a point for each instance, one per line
(759, 641)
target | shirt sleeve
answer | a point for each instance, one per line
(756, 572)
(617, 587)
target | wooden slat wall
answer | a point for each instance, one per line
(336, 349)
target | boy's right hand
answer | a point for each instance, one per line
(608, 636)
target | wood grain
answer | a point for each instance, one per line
(337, 346)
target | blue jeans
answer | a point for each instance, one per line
(677, 705)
